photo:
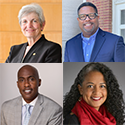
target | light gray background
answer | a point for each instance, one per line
(51, 75)
(70, 26)
(70, 71)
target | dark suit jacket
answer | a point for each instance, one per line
(107, 48)
(43, 51)
(71, 120)
(45, 112)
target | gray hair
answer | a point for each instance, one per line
(33, 7)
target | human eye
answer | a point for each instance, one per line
(82, 16)
(92, 15)
(24, 21)
(89, 86)
(34, 20)
(31, 79)
(103, 86)
(21, 80)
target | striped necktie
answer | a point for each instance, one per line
(27, 114)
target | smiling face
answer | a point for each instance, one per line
(30, 26)
(88, 26)
(28, 83)
(94, 89)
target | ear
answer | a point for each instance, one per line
(39, 82)
(98, 17)
(17, 84)
(80, 89)
(43, 24)
(77, 18)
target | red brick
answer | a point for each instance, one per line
(105, 12)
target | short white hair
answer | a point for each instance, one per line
(33, 7)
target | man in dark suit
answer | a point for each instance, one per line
(42, 110)
(93, 44)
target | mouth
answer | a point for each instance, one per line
(96, 98)
(27, 91)
(87, 24)
(30, 30)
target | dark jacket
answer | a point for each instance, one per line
(43, 51)
(107, 48)
(71, 120)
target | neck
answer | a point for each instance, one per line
(88, 34)
(32, 40)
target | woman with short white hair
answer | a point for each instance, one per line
(37, 49)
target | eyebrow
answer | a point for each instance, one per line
(93, 83)
(31, 19)
(24, 78)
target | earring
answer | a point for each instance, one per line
(80, 98)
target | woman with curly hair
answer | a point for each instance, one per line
(94, 98)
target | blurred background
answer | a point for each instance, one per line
(10, 31)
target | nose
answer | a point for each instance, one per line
(26, 84)
(87, 18)
(29, 24)
(96, 90)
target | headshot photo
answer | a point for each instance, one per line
(93, 93)
(27, 32)
(31, 94)
(98, 39)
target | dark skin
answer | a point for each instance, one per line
(28, 83)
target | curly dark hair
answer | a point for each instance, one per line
(114, 102)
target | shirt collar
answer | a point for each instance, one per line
(92, 36)
(31, 103)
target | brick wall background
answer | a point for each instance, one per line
(105, 13)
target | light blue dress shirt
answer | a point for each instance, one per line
(24, 108)
(88, 44)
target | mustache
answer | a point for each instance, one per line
(87, 23)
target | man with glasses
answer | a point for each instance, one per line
(93, 44)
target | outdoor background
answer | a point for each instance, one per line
(111, 17)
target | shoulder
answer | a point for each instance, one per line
(108, 34)
(48, 42)
(18, 46)
(78, 36)
(71, 120)
(49, 102)
(11, 103)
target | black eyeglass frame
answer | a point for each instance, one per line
(96, 14)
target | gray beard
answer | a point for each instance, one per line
(89, 31)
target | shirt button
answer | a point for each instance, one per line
(87, 54)
(88, 43)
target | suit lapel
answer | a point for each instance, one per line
(18, 111)
(78, 49)
(21, 53)
(98, 44)
(36, 111)
(34, 49)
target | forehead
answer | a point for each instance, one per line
(94, 76)
(27, 71)
(86, 10)
(29, 16)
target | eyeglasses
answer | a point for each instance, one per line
(90, 16)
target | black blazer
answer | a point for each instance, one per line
(71, 120)
(43, 51)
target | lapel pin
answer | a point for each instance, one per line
(34, 54)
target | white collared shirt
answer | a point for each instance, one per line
(31, 109)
